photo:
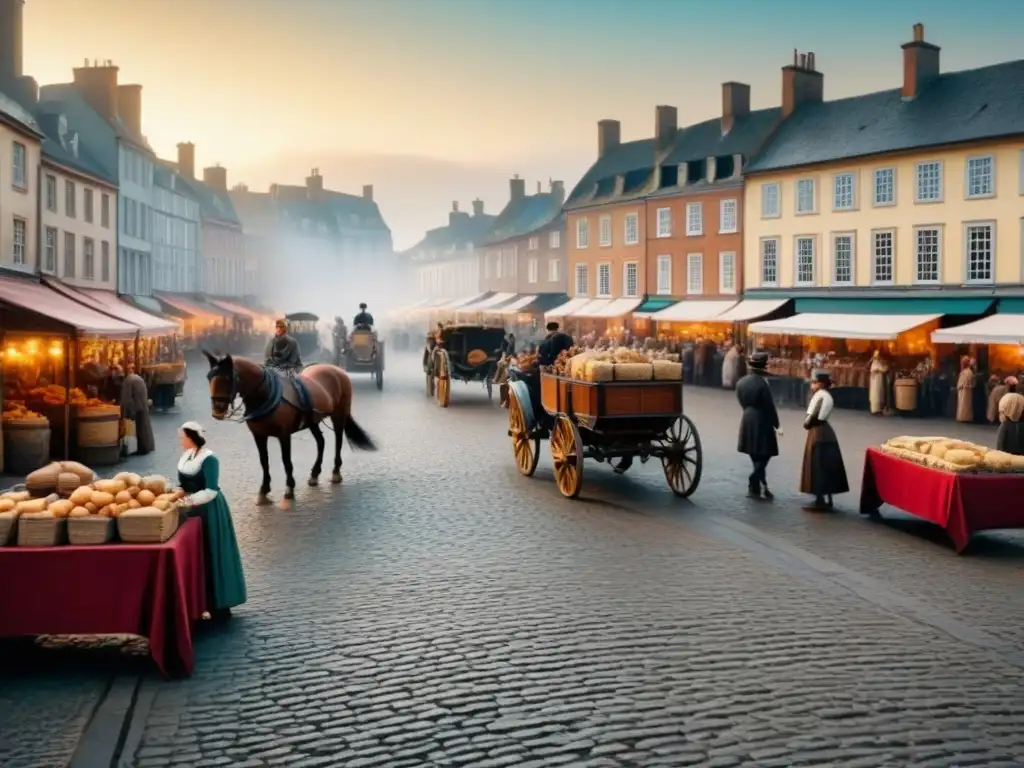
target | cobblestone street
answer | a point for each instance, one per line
(438, 609)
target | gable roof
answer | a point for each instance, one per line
(970, 105)
(68, 92)
(214, 205)
(19, 118)
(332, 208)
(523, 215)
(463, 231)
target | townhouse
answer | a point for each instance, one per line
(20, 147)
(177, 260)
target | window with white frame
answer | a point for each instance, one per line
(694, 273)
(69, 254)
(843, 192)
(728, 216)
(842, 259)
(770, 261)
(927, 254)
(694, 219)
(499, 265)
(805, 260)
(980, 176)
(554, 270)
(555, 239)
(770, 199)
(664, 222)
(51, 193)
(631, 229)
(605, 234)
(885, 186)
(929, 182)
(20, 240)
(50, 250)
(979, 248)
(604, 280)
(631, 279)
(727, 272)
(883, 262)
(532, 270)
(69, 199)
(534, 244)
(19, 161)
(805, 202)
(89, 258)
(582, 233)
(665, 274)
(105, 261)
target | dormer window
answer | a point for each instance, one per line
(725, 167)
(696, 170)
(669, 176)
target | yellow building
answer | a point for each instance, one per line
(911, 196)
(20, 141)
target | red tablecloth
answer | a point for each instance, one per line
(962, 504)
(153, 590)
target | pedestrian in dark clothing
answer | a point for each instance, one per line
(759, 425)
(823, 472)
(555, 343)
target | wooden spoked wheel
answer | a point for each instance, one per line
(526, 451)
(430, 385)
(683, 458)
(567, 455)
(444, 391)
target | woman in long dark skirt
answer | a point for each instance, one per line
(823, 473)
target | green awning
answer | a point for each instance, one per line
(655, 305)
(892, 306)
(1012, 306)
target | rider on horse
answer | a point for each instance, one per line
(364, 320)
(283, 351)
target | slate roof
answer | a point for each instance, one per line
(68, 91)
(17, 116)
(971, 105)
(214, 205)
(522, 216)
(462, 232)
(336, 209)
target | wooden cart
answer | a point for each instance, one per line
(606, 421)
(462, 353)
(364, 353)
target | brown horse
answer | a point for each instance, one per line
(273, 409)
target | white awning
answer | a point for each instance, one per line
(491, 301)
(874, 327)
(691, 311)
(590, 308)
(515, 306)
(750, 309)
(994, 329)
(607, 309)
(569, 307)
(460, 303)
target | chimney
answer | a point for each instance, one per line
(368, 192)
(517, 188)
(187, 159)
(735, 103)
(801, 83)
(455, 215)
(11, 39)
(216, 177)
(558, 191)
(609, 135)
(478, 207)
(97, 84)
(314, 184)
(129, 107)
(24, 90)
(920, 64)
(666, 121)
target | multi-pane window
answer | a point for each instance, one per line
(728, 217)
(927, 255)
(581, 280)
(582, 233)
(532, 270)
(69, 254)
(885, 186)
(69, 199)
(980, 172)
(694, 219)
(980, 248)
(533, 244)
(19, 161)
(89, 259)
(630, 280)
(805, 196)
(604, 280)
(555, 239)
(842, 192)
(631, 227)
(20, 240)
(554, 270)
(770, 261)
(694, 273)
(51, 193)
(105, 261)
(105, 211)
(842, 259)
(882, 257)
(727, 272)
(664, 222)
(664, 274)
(605, 234)
(929, 182)
(50, 250)
(87, 204)
(805, 261)
(770, 201)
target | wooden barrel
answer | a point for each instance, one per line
(26, 446)
(906, 394)
(98, 427)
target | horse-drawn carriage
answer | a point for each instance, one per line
(606, 421)
(364, 353)
(462, 353)
(302, 328)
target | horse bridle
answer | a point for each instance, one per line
(232, 412)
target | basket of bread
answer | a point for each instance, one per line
(950, 455)
(620, 364)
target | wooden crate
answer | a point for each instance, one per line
(601, 405)
(554, 393)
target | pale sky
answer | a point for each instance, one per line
(440, 100)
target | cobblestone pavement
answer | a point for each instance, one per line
(440, 610)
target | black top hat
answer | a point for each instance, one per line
(822, 376)
(758, 361)
(362, 306)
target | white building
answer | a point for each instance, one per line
(177, 257)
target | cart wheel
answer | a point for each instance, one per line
(683, 457)
(430, 385)
(490, 388)
(444, 392)
(379, 376)
(567, 454)
(526, 451)
(503, 395)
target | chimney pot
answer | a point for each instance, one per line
(920, 64)
(478, 207)
(187, 159)
(919, 33)
(517, 187)
(558, 190)
(368, 192)
(216, 177)
(455, 206)
(666, 122)
(801, 84)
(314, 184)
(609, 136)
(98, 86)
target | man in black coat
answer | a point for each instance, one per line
(555, 343)
(759, 425)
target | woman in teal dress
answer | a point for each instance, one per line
(199, 477)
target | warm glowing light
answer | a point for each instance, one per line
(12, 351)
(32, 346)
(56, 351)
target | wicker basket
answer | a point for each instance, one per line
(91, 530)
(148, 525)
(8, 527)
(41, 530)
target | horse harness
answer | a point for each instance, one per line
(280, 387)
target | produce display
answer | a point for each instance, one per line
(621, 364)
(15, 412)
(526, 361)
(952, 455)
(55, 394)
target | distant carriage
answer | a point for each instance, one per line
(302, 328)
(364, 353)
(462, 353)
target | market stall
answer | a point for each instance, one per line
(525, 315)
(203, 325)
(447, 311)
(251, 328)
(484, 310)
(608, 319)
(997, 339)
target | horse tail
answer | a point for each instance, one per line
(357, 437)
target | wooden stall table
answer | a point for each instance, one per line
(962, 503)
(156, 591)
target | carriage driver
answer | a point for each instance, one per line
(556, 342)
(364, 320)
(283, 350)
